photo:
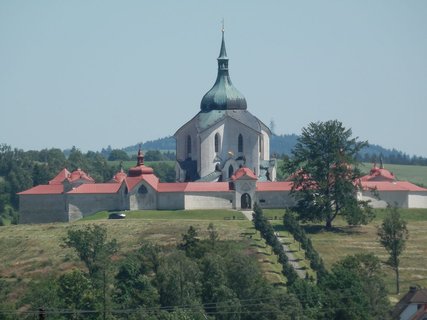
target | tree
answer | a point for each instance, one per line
(178, 280)
(153, 155)
(191, 243)
(76, 159)
(133, 287)
(92, 247)
(392, 236)
(117, 154)
(367, 267)
(213, 235)
(95, 251)
(324, 172)
(76, 292)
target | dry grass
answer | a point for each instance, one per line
(32, 250)
(333, 246)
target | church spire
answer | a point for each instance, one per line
(223, 95)
(140, 157)
(222, 52)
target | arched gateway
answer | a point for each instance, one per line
(245, 201)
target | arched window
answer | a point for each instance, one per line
(188, 145)
(240, 144)
(142, 189)
(230, 171)
(217, 142)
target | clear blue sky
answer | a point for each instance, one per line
(98, 73)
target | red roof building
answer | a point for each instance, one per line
(71, 196)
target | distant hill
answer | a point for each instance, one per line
(162, 144)
(282, 145)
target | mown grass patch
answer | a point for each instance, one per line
(173, 215)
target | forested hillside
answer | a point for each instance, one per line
(282, 145)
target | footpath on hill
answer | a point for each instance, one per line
(292, 259)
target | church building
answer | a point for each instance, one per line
(223, 136)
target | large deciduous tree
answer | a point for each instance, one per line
(324, 171)
(392, 235)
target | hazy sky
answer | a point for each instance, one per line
(97, 73)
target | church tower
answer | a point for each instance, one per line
(223, 136)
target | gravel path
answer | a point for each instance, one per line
(292, 260)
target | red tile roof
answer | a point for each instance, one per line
(45, 189)
(274, 186)
(151, 179)
(91, 188)
(60, 177)
(119, 176)
(244, 172)
(378, 174)
(194, 187)
(391, 186)
(79, 174)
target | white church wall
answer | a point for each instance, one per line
(170, 201)
(417, 199)
(265, 146)
(205, 200)
(274, 199)
(82, 205)
(207, 149)
(143, 201)
(181, 141)
(42, 208)
(385, 197)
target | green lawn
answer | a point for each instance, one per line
(174, 215)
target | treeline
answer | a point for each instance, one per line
(198, 279)
(292, 226)
(396, 157)
(352, 289)
(149, 155)
(267, 233)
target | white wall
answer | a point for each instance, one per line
(385, 197)
(42, 208)
(170, 201)
(417, 199)
(82, 205)
(139, 201)
(214, 200)
(274, 199)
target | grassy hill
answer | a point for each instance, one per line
(347, 240)
(34, 251)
